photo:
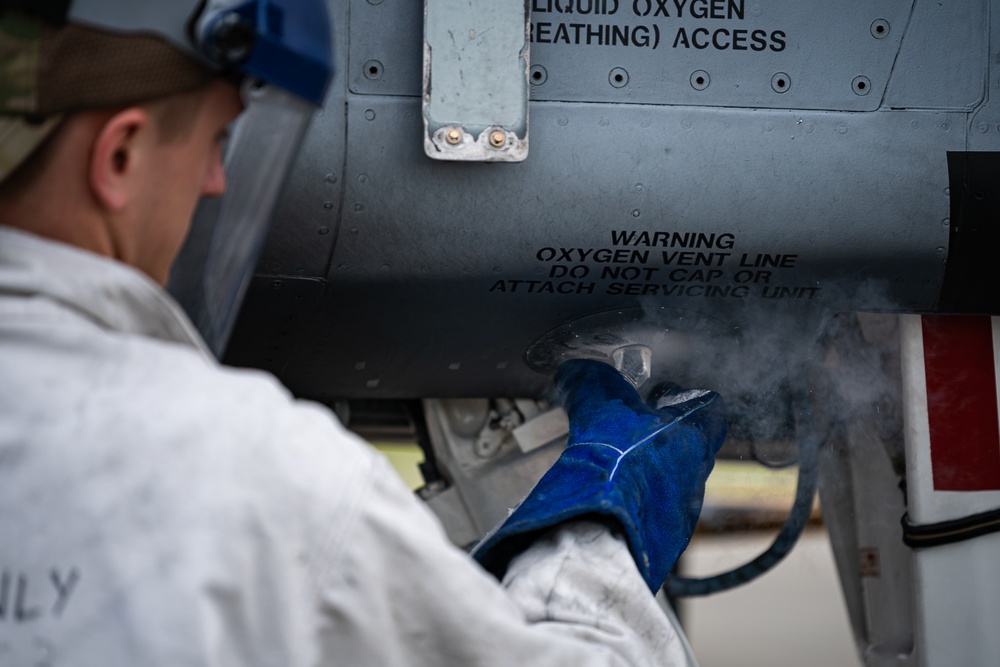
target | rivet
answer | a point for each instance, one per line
(453, 137)
(497, 139)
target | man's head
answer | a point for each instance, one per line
(113, 166)
(50, 68)
(111, 116)
(124, 182)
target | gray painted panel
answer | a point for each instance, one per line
(430, 288)
(443, 274)
(943, 59)
(752, 53)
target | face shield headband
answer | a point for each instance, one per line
(285, 43)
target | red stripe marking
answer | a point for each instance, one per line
(962, 403)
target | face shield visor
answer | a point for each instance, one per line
(216, 263)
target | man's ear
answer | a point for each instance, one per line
(113, 160)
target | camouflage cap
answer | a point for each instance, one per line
(19, 137)
(48, 69)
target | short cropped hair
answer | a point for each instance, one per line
(173, 120)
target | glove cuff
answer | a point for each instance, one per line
(577, 486)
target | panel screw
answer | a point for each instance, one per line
(700, 79)
(880, 29)
(373, 70)
(497, 139)
(780, 82)
(453, 137)
(869, 561)
(537, 75)
(618, 78)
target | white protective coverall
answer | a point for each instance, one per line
(159, 509)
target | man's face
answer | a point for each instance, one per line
(181, 171)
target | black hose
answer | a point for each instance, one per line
(796, 522)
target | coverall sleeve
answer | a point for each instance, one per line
(400, 594)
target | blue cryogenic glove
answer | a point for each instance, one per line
(641, 467)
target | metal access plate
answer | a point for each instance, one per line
(777, 54)
(475, 83)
